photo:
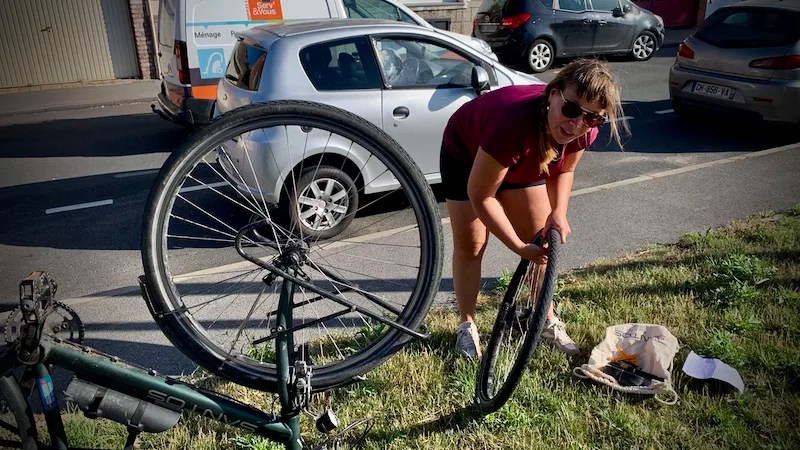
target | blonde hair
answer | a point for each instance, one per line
(592, 80)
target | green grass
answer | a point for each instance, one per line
(732, 293)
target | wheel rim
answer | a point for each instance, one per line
(222, 308)
(643, 47)
(540, 56)
(323, 204)
(516, 329)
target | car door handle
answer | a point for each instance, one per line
(601, 22)
(401, 112)
(587, 20)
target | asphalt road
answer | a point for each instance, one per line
(672, 177)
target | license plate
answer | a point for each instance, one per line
(713, 90)
(488, 28)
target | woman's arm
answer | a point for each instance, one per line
(559, 187)
(485, 179)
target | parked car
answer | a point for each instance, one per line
(195, 39)
(539, 31)
(406, 79)
(744, 58)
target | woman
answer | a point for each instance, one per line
(507, 165)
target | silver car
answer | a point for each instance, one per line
(745, 58)
(407, 80)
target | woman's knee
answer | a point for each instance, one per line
(469, 251)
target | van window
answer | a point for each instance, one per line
(376, 9)
(341, 65)
(245, 66)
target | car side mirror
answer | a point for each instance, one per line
(617, 12)
(480, 80)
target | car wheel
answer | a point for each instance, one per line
(540, 55)
(323, 204)
(644, 46)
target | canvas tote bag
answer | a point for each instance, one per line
(651, 348)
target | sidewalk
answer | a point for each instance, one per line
(35, 99)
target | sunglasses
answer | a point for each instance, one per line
(571, 110)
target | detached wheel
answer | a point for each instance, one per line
(644, 46)
(540, 55)
(323, 204)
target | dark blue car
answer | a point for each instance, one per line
(538, 31)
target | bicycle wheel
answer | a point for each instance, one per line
(520, 320)
(17, 427)
(215, 255)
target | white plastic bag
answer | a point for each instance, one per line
(651, 348)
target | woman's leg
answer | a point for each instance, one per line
(528, 209)
(469, 243)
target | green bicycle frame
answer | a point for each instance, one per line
(148, 385)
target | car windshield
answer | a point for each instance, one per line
(745, 27)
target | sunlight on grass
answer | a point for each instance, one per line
(731, 293)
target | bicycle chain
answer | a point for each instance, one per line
(62, 322)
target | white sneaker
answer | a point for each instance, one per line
(554, 332)
(468, 343)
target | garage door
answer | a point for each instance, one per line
(46, 42)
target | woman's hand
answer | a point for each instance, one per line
(559, 222)
(534, 253)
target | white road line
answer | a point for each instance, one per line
(78, 206)
(664, 111)
(200, 187)
(136, 174)
(680, 170)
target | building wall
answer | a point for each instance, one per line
(460, 14)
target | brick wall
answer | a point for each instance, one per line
(144, 37)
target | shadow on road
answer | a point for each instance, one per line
(103, 136)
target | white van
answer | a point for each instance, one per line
(195, 39)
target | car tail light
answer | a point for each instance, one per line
(685, 51)
(183, 62)
(515, 22)
(788, 62)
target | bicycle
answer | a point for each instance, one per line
(237, 286)
(520, 320)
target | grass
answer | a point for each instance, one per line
(732, 293)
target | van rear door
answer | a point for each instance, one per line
(167, 16)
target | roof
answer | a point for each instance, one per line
(792, 5)
(294, 27)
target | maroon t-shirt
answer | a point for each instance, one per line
(505, 124)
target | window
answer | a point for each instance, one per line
(245, 66)
(341, 65)
(376, 9)
(605, 5)
(411, 63)
(750, 28)
(572, 5)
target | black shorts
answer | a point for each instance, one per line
(455, 176)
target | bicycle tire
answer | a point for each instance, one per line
(24, 425)
(496, 381)
(407, 303)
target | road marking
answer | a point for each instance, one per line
(136, 173)
(78, 206)
(200, 187)
(680, 170)
(664, 111)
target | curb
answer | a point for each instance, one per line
(82, 106)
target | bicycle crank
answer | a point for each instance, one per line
(61, 321)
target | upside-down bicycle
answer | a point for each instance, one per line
(239, 287)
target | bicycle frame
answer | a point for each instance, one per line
(147, 385)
